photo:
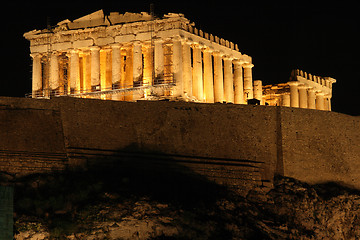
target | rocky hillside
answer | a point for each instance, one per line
(130, 203)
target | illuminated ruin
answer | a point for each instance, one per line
(135, 56)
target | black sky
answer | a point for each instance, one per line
(322, 38)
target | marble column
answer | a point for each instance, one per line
(95, 68)
(148, 67)
(198, 87)
(248, 81)
(218, 78)
(74, 71)
(36, 74)
(129, 83)
(285, 100)
(86, 66)
(159, 61)
(303, 98)
(208, 77)
(238, 83)
(116, 65)
(187, 70)
(327, 102)
(177, 67)
(320, 101)
(105, 70)
(137, 63)
(294, 94)
(148, 64)
(258, 90)
(54, 72)
(311, 99)
(228, 80)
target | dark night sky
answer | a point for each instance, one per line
(322, 38)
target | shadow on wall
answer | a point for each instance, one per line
(61, 201)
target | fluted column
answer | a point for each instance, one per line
(36, 73)
(198, 88)
(105, 71)
(187, 70)
(148, 64)
(54, 72)
(258, 90)
(248, 81)
(159, 61)
(86, 66)
(228, 80)
(129, 83)
(137, 62)
(303, 98)
(208, 76)
(177, 67)
(320, 101)
(148, 67)
(285, 100)
(294, 94)
(238, 83)
(116, 65)
(218, 78)
(95, 68)
(311, 99)
(74, 71)
(327, 103)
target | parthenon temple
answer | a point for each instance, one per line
(136, 56)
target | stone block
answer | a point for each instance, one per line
(61, 46)
(39, 49)
(83, 43)
(104, 41)
(125, 38)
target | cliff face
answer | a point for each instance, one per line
(123, 205)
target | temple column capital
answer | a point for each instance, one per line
(293, 83)
(115, 46)
(218, 54)
(247, 65)
(237, 61)
(207, 50)
(302, 86)
(35, 55)
(227, 58)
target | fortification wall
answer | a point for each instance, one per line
(226, 143)
(31, 137)
(238, 145)
(321, 146)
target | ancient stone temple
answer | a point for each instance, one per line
(136, 56)
(304, 90)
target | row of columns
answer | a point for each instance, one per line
(302, 96)
(100, 73)
(215, 77)
(208, 75)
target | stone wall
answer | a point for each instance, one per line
(241, 146)
(320, 146)
(31, 137)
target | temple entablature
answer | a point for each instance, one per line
(101, 30)
(323, 84)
